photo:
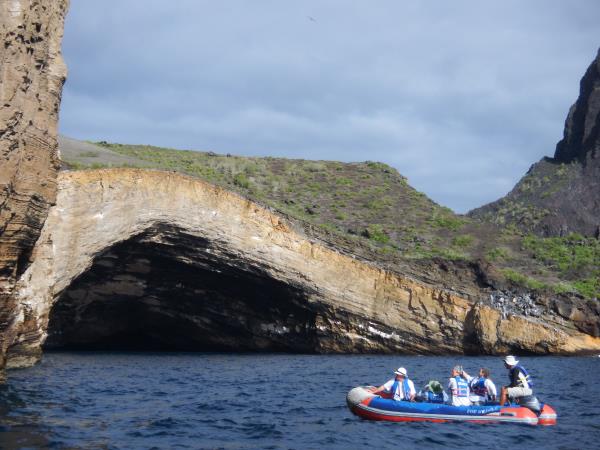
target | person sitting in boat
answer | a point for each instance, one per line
(458, 388)
(520, 381)
(432, 392)
(482, 389)
(399, 388)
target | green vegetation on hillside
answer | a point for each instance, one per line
(574, 257)
(372, 205)
(526, 206)
(366, 201)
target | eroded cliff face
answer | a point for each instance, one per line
(148, 259)
(32, 74)
(582, 127)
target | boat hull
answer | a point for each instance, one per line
(372, 407)
(547, 416)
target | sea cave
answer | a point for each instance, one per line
(164, 289)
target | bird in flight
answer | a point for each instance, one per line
(312, 19)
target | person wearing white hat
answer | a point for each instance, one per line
(399, 388)
(520, 381)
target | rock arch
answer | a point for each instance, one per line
(167, 289)
(323, 300)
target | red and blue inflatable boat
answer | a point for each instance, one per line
(373, 407)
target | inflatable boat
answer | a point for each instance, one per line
(366, 405)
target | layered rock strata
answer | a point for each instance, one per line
(148, 259)
(32, 74)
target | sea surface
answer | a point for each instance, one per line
(268, 401)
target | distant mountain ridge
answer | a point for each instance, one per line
(560, 195)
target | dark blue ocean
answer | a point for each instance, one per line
(272, 401)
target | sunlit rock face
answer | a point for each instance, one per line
(32, 73)
(154, 260)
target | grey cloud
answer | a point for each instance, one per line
(460, 96)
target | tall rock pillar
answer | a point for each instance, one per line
(32, 74)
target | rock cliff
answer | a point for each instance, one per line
(561, 195)
(148, 259)
(32, 73)
(581, 139)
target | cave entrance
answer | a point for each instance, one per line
(167, 290)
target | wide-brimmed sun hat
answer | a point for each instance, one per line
(401, 371)
(435, 387)
(511, 360)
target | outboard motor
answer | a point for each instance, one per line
(531, 402)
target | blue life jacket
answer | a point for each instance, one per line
(435, 398)
(479, 388)
(405, 387)
(462, 387)
(525, 374)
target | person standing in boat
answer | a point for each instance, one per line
(520, 381)
(399, 388)
(482, 389)
(458, 388)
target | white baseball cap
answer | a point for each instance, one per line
(511, 360)
(401, 371)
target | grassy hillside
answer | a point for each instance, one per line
(524, 206)
(371, 205)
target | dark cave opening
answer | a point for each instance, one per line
(167, 290)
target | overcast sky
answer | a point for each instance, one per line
(460, 96)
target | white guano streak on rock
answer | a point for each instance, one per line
(15, 9)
